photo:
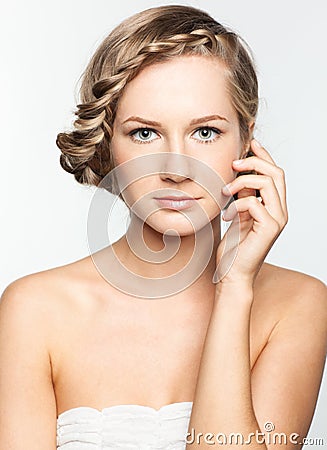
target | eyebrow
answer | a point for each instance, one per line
(193, 121)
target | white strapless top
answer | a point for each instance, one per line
(124, 427)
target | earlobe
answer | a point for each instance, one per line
(245, 151)
(251, 128)
(248, 145)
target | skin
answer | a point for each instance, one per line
(243, 350)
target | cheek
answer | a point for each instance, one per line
(140, 190)
(225, 168)
(221, 163)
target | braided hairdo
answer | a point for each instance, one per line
(153, 35)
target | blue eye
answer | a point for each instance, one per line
(142, 135)
(207, 134)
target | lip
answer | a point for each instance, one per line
(177, 203)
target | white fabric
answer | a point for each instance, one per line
(128, 427)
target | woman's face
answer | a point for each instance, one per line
(177, 109)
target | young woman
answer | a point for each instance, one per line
(172, 337)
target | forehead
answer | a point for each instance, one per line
(185, 85)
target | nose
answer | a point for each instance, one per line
(176, 167)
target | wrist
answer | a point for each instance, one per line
(240, 289)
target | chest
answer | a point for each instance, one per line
(132, 354)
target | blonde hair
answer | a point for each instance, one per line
(156, 34)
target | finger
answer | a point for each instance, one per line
(260, 151)
(264, 167)
(258, 212)
(268, 192)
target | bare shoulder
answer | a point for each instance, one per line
(289, 281)
(47, 286)
(28, 294)
(50, 297)
(291, 292)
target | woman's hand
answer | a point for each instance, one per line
(256, 224)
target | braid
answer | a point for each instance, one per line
(85, 151)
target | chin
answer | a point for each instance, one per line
(174, 223)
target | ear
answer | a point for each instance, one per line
(251, 128)
(247, 146)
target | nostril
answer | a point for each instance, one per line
(174, 177)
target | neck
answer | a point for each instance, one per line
(148, 252)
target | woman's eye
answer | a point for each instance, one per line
(207, 134)
(143, 135)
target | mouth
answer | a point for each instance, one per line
(177, 203)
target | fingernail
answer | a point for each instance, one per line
(215, 278)
(227, 187)
(257, 143)
(237, 162)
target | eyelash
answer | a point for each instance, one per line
(208, 141)
(139, 141)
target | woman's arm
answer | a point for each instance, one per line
(27, 400)
(281, 392)
(281, 389)
(223, 401)
(287, 375)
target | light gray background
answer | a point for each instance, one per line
(45, 47)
